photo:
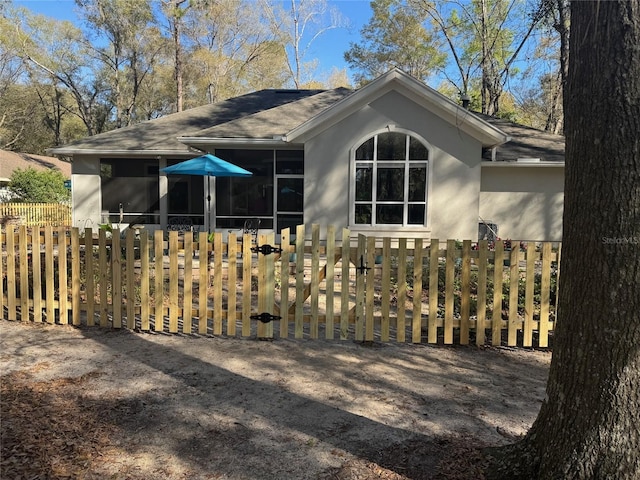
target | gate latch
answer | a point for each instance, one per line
(266, 249)
(363, 267)
(265, 317)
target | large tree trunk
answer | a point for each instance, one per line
(589, 423)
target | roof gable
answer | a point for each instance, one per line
(415, 90)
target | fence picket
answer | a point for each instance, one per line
(129, 279)
(360, 288)
(103, 260)
(203, 279)
(11, 274)
(432, 329)
(299, 302)
(496, 317)
(401, 322)
(465, 294)
(315, 279)
(385, 292)
(187, 303)
(247, 259)
(330, 281)
(89, 277)
(416, 321)
(545, 287)
(23, 260)
(49, 273)
(37, 275)
(232, 275)
(75, 277)
(514, 285)
(369, 284)
(144, 281)
(528, 295)
(121, 287)
(450, 266)
(344, 287)
(483, 260)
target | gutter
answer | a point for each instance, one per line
(217, 142)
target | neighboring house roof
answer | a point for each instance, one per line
(277, 117)
(10, 161)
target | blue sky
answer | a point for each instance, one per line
(328, 49)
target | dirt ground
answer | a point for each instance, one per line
(91, 403)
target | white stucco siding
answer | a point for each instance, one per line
(85, 184)
(526, 202)
(454, 169)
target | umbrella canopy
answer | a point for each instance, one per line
(207, 166)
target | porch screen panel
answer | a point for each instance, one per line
(240, 198)
(130, 184)
(186, 195)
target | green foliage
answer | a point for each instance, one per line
(38, 186)
(394, 37)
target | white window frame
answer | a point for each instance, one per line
(407, 163)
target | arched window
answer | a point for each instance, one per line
(390, 181)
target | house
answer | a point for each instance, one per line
(392, 158)
(10, 161)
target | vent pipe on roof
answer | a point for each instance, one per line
(466, 100)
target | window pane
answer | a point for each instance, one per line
(290, 194)
(365, 151)
(389, 214)
(416, 214)
(417, 183)
(363, 214)
(291, 221)
(363, 183)
(392, 146)
(390, 184)
(290, 162)
(417, 151)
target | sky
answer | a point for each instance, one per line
(328, 49)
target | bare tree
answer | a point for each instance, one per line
(297, 28)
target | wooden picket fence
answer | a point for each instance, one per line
(35, 214)
(361, 288)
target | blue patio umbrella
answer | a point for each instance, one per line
(207, 166)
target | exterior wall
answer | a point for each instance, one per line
(454, 169)
(85, 192)
(525, 201)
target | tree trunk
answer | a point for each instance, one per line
(589, 423)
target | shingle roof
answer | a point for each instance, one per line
(270, 113)
(163, 133)
(278, 120)
(526, 142)
(10, 161)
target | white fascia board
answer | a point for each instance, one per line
(213, 142)
(70, 151)
(514, 164)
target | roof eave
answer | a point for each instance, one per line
(199, 142)
(114, 151)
